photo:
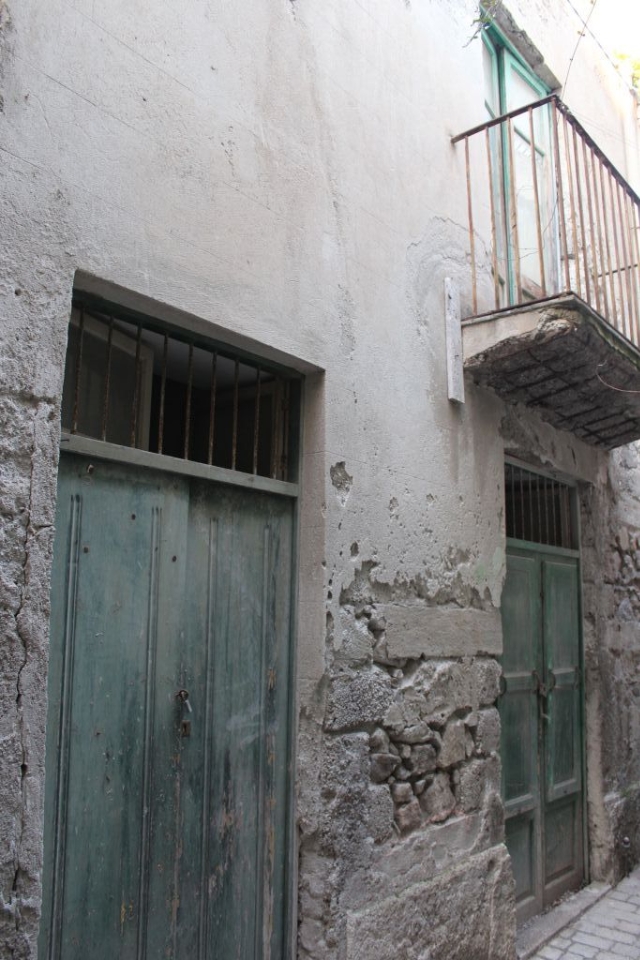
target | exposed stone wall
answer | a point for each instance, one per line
(611, 584)
(34, 307)
(406, 768)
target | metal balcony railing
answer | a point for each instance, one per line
(549, 214)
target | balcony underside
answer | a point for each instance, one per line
(560, 357)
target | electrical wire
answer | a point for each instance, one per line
(585, 27)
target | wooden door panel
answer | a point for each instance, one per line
(103, 616)
(167, 826)
(541, 727)
(518, 705)
(564, 857)
(522, 839)
(563, 756)
(249, 681)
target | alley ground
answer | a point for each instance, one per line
(608, 929)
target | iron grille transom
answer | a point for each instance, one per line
(135, 382)
(539, 508)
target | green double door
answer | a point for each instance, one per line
(166, 830)
(541, 715)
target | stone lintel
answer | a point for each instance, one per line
(415, 630)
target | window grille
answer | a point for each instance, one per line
(538, 508)
(136, 383)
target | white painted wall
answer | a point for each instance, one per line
(281, 169)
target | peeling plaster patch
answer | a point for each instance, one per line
(341, 480)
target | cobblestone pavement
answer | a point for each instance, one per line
(609, 930)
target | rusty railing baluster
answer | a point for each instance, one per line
(633, 266)
(601, 263)
(494, 230)
(572, 204)
(591, 253)
(583, 234)
(607, 238)
(617, 270)
(564, 252)
(513, 214)
(472, 245)
(536, 199)
(625, 258)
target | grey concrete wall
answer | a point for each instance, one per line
(284, 174)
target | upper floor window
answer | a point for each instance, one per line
(522, 173)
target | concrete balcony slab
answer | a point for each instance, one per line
(562, 358)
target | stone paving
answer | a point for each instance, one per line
(609, 930)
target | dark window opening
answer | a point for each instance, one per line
(135, 384)
(538, 508)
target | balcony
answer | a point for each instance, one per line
(553, 315)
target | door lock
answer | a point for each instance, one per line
(540, 687)
(183, 697)
(185, 725)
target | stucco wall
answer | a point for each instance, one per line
(284, 173)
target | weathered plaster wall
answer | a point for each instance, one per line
(286, 175)
(611, 528)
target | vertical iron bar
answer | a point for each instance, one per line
(513, 219)
(275, 418)
(582, 225)
(522, 510)
(512, 483)
(622, 322)
(256, 422)
(284, 460)
(607, 245)
(530, 508)
(187, 409)
(592, 252)
(554, 485)
(136, 391)
(107, 383)
(212, 405)
(536, 198)
(234, 436)
(539, 506)
(76, 392)
(474, 288)
(494, 231)
(567, 520)
(572, 205)
(602, 264)
(163, 388)
(633, 261)
(635, 276)
(623, 243)
(564, 251)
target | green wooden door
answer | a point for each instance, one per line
(166, 812)
(540, 710)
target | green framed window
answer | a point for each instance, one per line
(522, 168)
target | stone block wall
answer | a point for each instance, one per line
(611, 592)
(400, 782)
